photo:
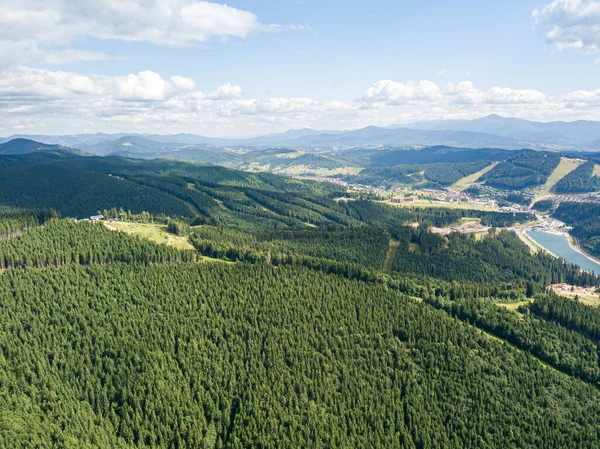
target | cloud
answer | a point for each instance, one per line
(33, 100)
(582, 98)
(392, 93)
(182, 83)
(465, 92)
(395, 93)
(148, 85)
(278, 106)
(29, 86)
(36, 30)
(225, 92)
(571, 24)
(506, 95)
(73, 55)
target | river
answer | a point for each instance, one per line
(559, 246)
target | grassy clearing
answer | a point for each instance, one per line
(156, 233)
(339, 171)
(586, 296)
(427, 203)
(294, 155)
(597, 170)
(307, 170)
(465, 182)
(513, 306)
(256, 167)
(389, 256)
(565, 167)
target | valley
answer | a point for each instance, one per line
(299, 224)
(378, 271)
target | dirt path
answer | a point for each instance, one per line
(389, 256)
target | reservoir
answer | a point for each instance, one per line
(559, 246)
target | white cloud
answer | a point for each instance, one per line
(31, 85)
(395, 93)
(465, 92)
(39, 30)
(182, 83)
(145, 85)
(226, 91)
(282, 106)
(584, 98)
(506, 95)
(573, 24)
(36, 100)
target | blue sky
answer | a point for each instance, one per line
(289, 63)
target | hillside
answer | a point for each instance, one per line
(579, 133)
(526, 169)
(132, 337)
(24, 146)
(320, 318)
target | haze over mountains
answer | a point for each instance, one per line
(492, 132)
(26, 146)
(579, 133)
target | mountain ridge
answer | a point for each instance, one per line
(489, 131)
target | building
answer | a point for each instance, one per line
(404, 199)
(97, 217)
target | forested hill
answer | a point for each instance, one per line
(526, 169)
(25, 146)
(296, 317)
(83, 186)
(172, 355)
(580, 180)
(309, 338)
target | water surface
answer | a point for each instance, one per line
(559, 246)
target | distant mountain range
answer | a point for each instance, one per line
(26, 146)
(488, 132)
(579, 134)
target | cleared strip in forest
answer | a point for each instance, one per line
(492, 336)
(565, 167)
(390, 255)
(597, 170)
(193, 209)
(465, 182)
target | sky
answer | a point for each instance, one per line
(253, 67)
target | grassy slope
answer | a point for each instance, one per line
(586, 296)
(565, 167)
(389, 257)
(597, 170)
(427, 203)
(465, 182)
(303, 169)
(154, 232)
